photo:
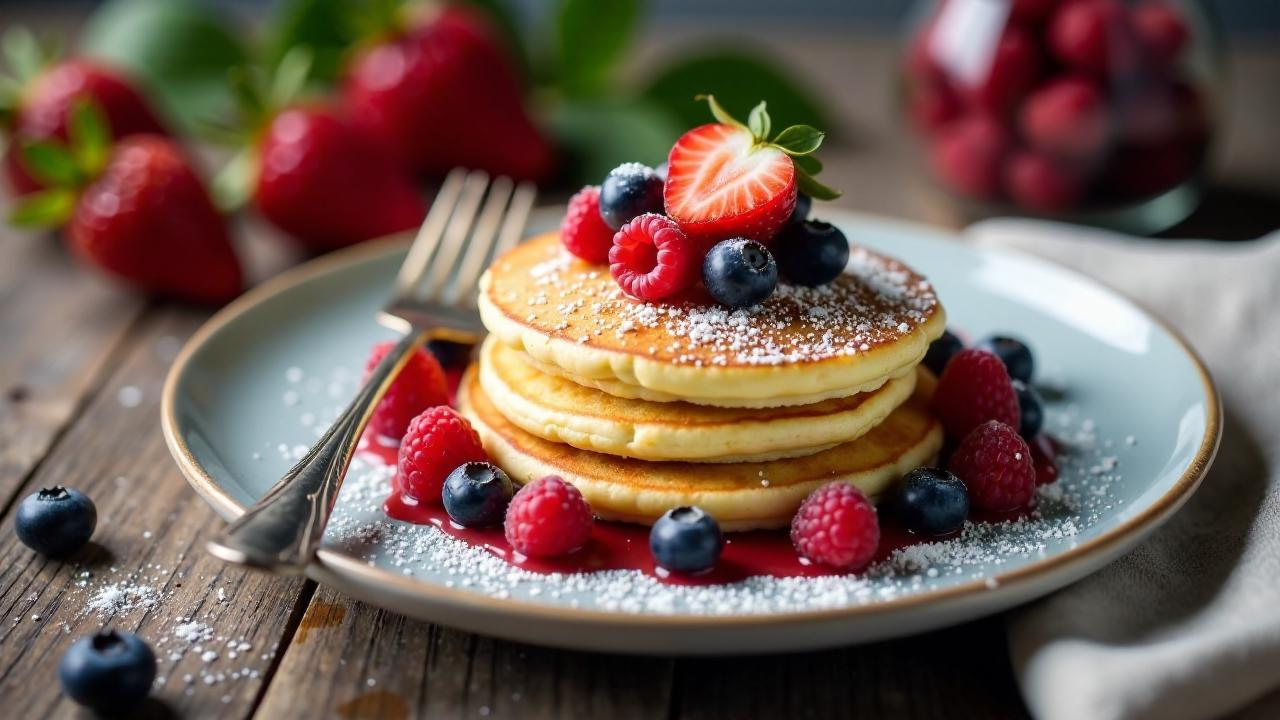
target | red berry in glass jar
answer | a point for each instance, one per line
(1042, 183)
(1013, 70)
(1095, 36)
(1067, 117)
(968, 157)
(1161, 31)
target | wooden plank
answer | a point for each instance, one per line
(352, 660)
(927, 676)
(60, 327)
(146, 570)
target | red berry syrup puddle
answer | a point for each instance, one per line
(625, 546)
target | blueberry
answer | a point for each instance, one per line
(56, 521)
(941, 351)
(110, 672)
(811, 253)
(630, 190)
(476, 494)
(1015, 355)
(930, 501)
(450, 354)
(739, 273)
(686, 540)
(1031, 409)
(804, 204)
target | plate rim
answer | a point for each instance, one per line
(330, 565)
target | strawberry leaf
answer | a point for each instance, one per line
(290, 76)
(23, 53)
(814, 189)
(799, 140)
(47, 209)
(234, 183)
(807, 163)
(90, 134)
(51, 163)
(719, 113)
(758, 122)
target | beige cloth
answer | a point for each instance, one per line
(1188, 624)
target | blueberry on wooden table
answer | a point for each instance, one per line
(110, 672)
(55, 521)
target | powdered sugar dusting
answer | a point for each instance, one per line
(877, 302)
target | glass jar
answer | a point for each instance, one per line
(1094, 111)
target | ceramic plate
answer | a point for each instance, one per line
(1129, 401)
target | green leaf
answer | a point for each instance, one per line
(718, 112)
(758, 121)
(799, 140)
(598, 135)
(47, 209)
(179, 49)
(233, 185)
(739, 81)
(807, 164)
(815, 189)
(590, 37)
(22, 52)
(290, 76)
(90, 134)
(323, 26)
(50, 162)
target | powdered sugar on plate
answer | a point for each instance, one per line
(1066, 512)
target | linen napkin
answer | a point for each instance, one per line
(1188, 624)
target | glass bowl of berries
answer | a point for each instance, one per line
(1093, 111)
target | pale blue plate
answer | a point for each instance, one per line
(1129, 398)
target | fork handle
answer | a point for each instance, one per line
(280, 532)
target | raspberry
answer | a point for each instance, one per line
(1161, 30)
(1014, 68)
(968, 155)
(1067, 117)
(652, 259)
(995, 464)
(1031, 11)
(1094, 35)
(582, 231)
(438, 441)
(548, 518)
(836, 526)
(973, 389)
(420, 385)
(1042, 183)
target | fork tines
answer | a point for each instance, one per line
(471, 221)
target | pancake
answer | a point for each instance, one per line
(874, 322)
(558, 410)
(742, 496)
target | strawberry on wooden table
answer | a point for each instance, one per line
(730, 179)
(136, 210)
(313, 172)
(441, 90)
(37, 101)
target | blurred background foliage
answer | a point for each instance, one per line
(570, 51)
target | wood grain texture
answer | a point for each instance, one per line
(149, 545)
(59, 329)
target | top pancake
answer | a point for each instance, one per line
(871, 323)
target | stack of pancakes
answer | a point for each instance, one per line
(645, 407)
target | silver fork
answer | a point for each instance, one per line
(434, 296)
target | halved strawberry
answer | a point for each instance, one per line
(728, 179)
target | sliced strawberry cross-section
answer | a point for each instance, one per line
(733, 180)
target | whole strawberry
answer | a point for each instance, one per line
(136, 210)
(46, 91)
(328, 183)
(440, 89)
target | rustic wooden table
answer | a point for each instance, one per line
(81, 364)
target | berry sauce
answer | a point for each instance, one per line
(625, 546)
